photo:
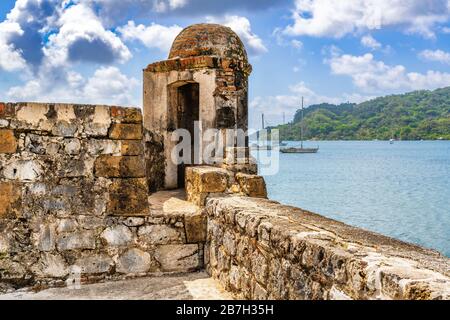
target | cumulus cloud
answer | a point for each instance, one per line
(436, 56)
(337, 18)
(241, 25)
(82, 37)
(38, 31)
(152, 36)
(10, 57)
(168, 5)
(371, 75)
(106, 86)
(23, 29)
(109, 85)
(114, 12)
(370, 42)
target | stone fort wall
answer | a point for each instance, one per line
(78, 202)
(74, 188)
(259, 249)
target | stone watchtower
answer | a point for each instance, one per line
(204, 79)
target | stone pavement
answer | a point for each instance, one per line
(190, 286)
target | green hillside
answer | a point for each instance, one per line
(412, 116)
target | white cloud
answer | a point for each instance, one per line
(370, 42)
(152, 36)
(168, 5)
(10, 58)
(436, 56)
(242, 27)
(446, 30)
(371, 75)
(82, 37)
(109, 85)
(106, 86)
(337, 18)
(297, 44)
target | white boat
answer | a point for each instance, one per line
(300, 149)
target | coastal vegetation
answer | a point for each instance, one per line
(411, 116)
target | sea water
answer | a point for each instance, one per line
(400, 190)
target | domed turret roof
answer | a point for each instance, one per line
(208, 39)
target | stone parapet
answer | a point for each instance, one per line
(259, 249)
(203, 181)
(74, 199)
(79, 150)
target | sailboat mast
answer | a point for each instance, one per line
(301, 127)
(263, 124)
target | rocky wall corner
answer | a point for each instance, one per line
(259, 249)
(74, 187)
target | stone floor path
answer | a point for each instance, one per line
(190, 286)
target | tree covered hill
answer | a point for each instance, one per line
(411, 116)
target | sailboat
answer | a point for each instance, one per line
(264, 146)
(301, 149)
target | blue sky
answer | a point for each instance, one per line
(93, 51)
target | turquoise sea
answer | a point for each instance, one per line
(400, 190)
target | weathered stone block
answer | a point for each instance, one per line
(195, 225)
(65, 112)
(132, 148)
(50, 266)
(116, 167)
(46, 237)
(208, 179)
(252, 185)
(73, 168)
(66, 225)
(126, 115)
(134, 222)
(90, 222)
(97, 147)
(200, 181)
(235, 277)
(160, 234)
(76, 241)
(128, 197)
(98, 122)
(260, 268)
(64, 129)
(178, 257)
(223, 260)
(27, 170)
(94, 264)
(134, 261)
(229, 242)
(259, 292)
(4, 243)
(117, 236)
(72, 146)
(10, 200)
(4, 123)
(33, 116)
(121, 131)
(8, 142)
(7, 110)
(35, 143)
